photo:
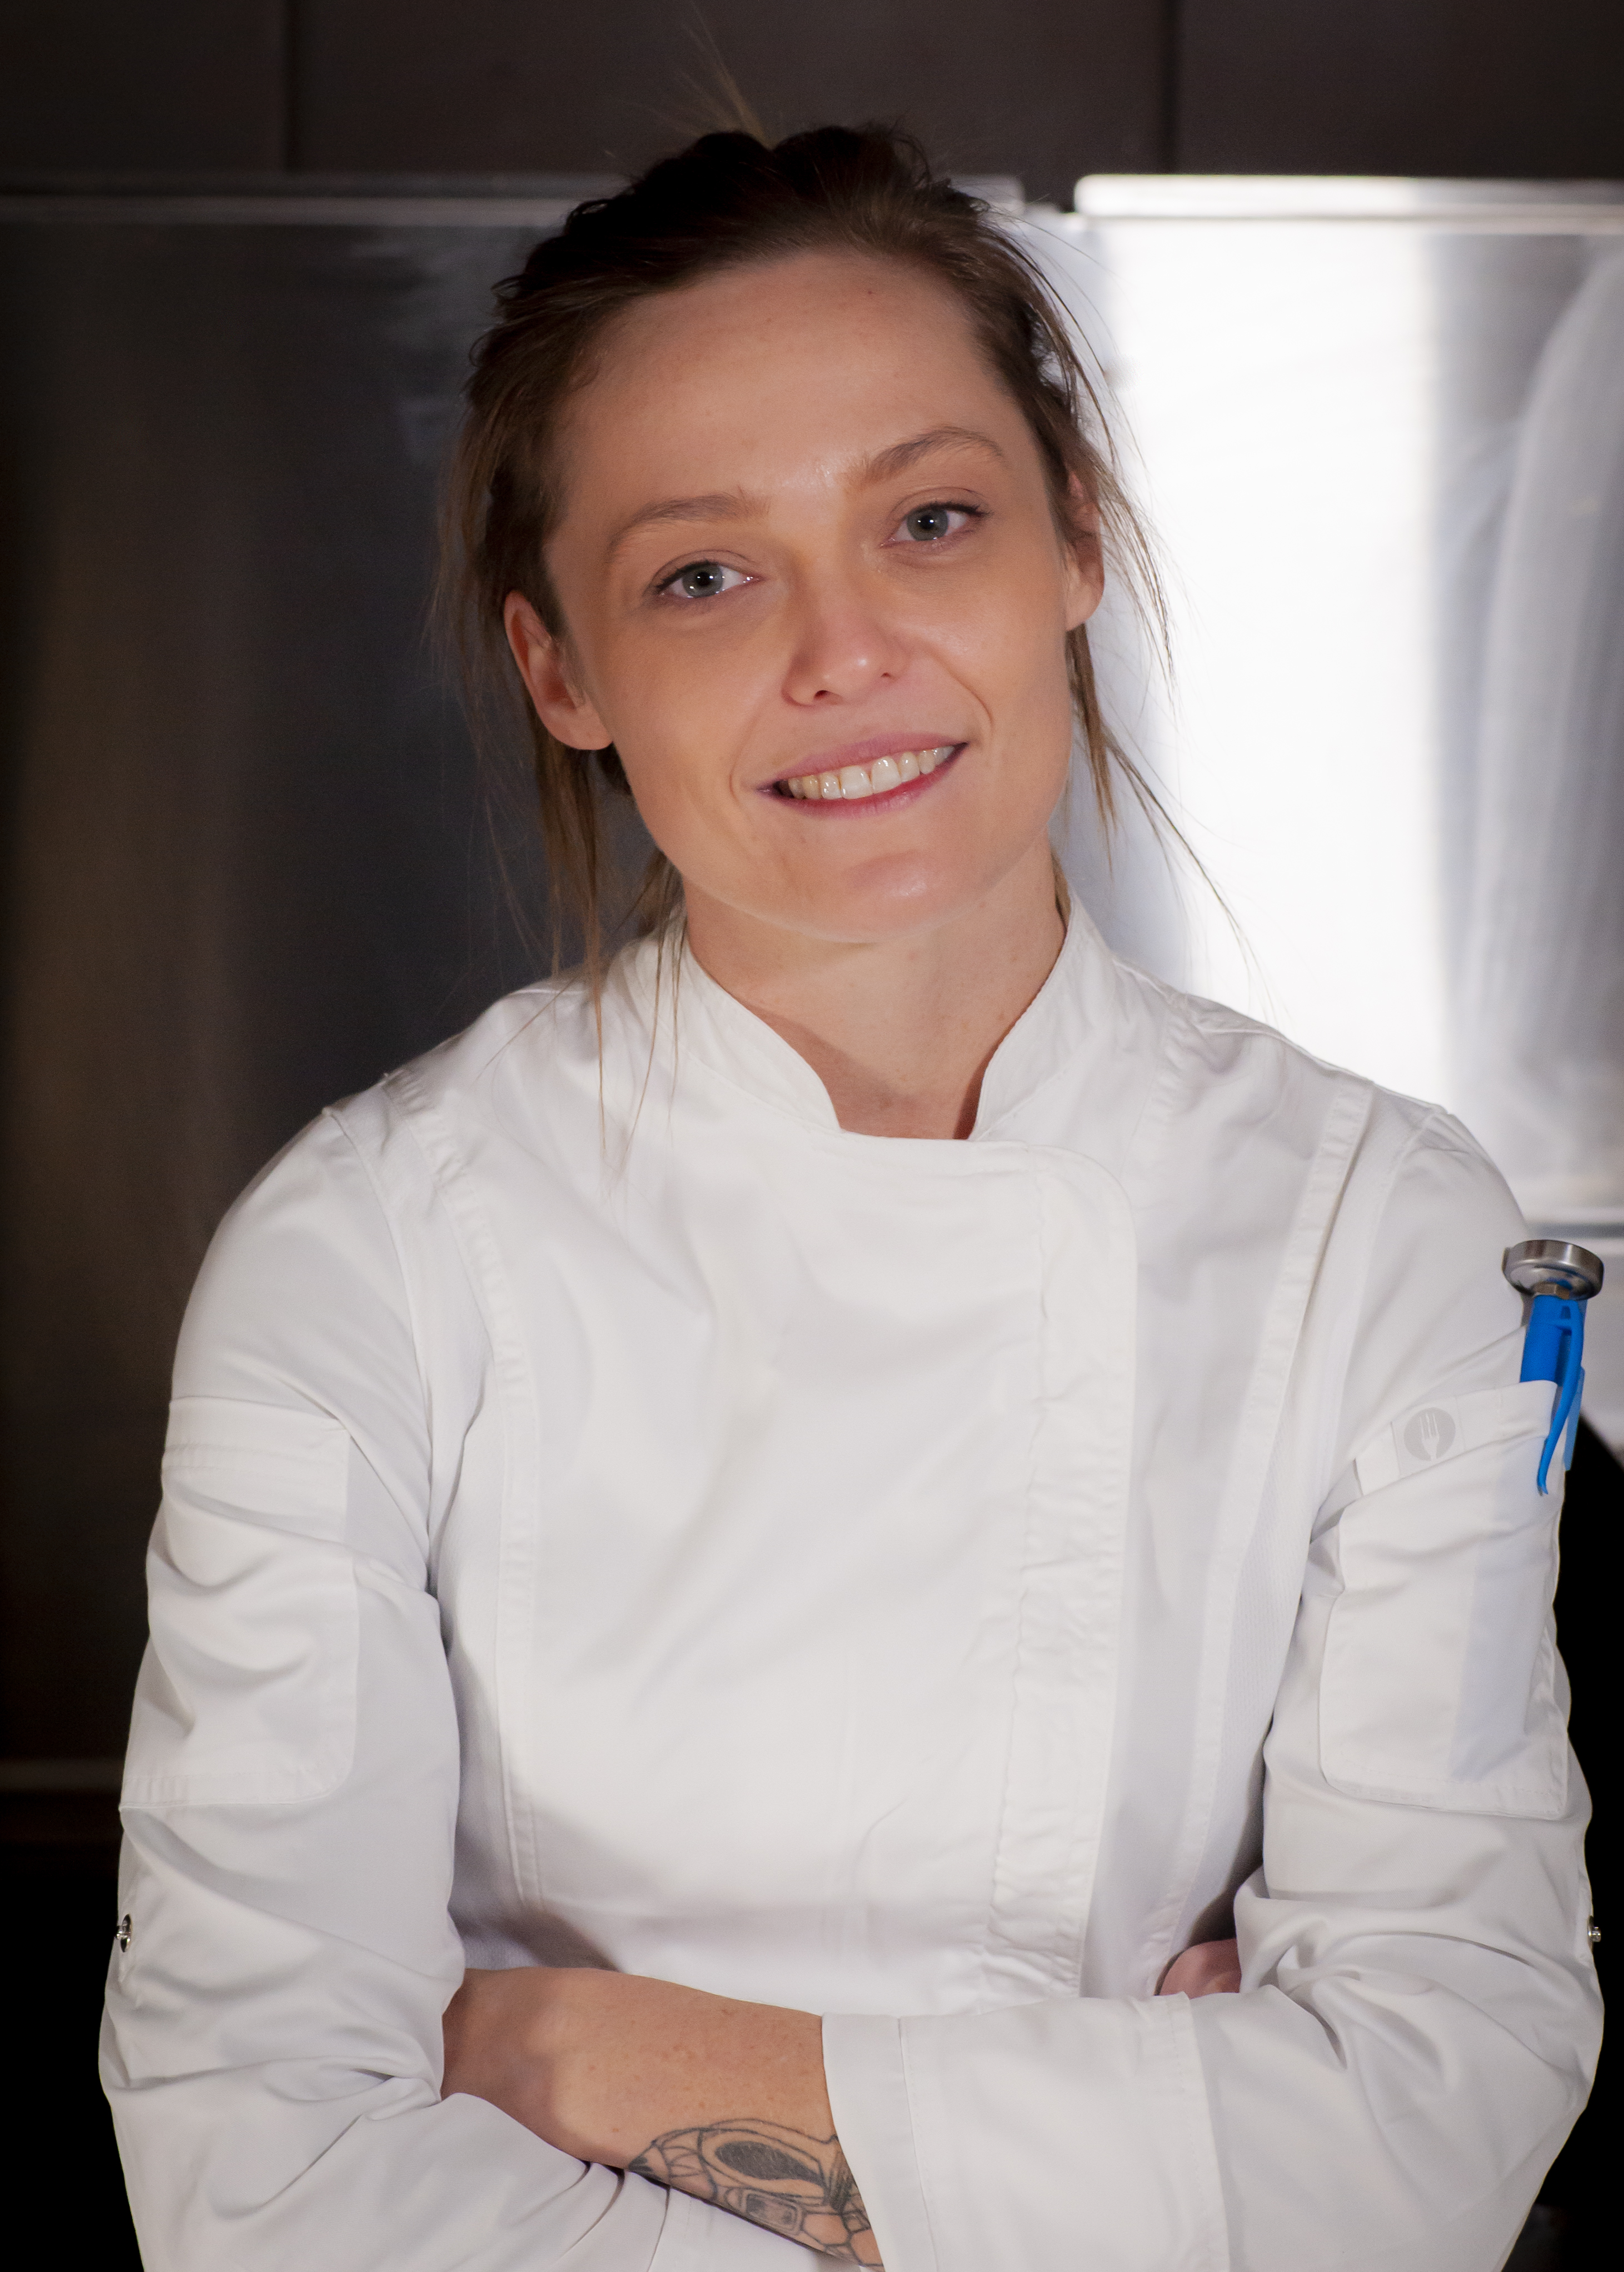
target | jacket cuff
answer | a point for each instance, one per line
(1069, 2131)
(867, 2079)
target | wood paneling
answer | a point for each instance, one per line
(1491, 89)
(1045, 89)
(160, 84)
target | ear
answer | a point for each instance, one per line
(561, 706)
(1085, 559)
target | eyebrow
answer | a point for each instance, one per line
(886, 464)
(737, 505)
(721, 504)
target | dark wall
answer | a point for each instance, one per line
(1526, 90)
(507, 83)
(1046, 89)
(113, 84)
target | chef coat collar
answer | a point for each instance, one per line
(1076, 1011)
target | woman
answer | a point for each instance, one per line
(778, 1536)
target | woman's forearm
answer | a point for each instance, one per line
(784, 2179)
(715, 2098)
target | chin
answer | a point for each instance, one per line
(874, 910)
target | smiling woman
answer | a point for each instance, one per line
(786, 1608)
(713, 308)
(878, 584)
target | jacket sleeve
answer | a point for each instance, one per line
(1418, 2018)
(272, 2043)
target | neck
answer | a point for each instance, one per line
(899, 1031)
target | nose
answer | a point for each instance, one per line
(845, 646)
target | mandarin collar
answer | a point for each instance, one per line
(1077, 1011)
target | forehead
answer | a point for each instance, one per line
(778, 370)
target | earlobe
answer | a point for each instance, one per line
(1085, 581)
(543, 666)
(1085, 560)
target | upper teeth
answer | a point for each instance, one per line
(871, 780)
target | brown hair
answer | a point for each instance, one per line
(725, 200)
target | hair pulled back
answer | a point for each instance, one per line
(726, 200)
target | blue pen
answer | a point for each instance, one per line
(1560, 1278)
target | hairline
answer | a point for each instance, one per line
(727, 260)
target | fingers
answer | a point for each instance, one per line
(1211, 1967)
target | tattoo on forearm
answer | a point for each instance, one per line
(793, 2184)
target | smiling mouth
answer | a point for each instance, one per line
(884, 777)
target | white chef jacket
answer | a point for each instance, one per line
(610, 1508)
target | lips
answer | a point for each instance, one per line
(878, 778)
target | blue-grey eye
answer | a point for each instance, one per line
(702, 580)
(927, 522)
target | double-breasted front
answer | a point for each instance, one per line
(611, 1512)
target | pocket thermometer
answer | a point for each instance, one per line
(1560, 1278)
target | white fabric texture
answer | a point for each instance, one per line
(613, 1513)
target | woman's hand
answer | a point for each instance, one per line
(1212, 1967)
(717, 2099)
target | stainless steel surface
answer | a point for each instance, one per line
(1379, 427)
(249, 867)
(1553, 1266)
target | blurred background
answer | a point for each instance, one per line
(1353, 279)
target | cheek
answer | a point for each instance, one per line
(676, 745)
(668, 715)
(687, 712)
(1011, 614)
(665, 788)
(1009, 649)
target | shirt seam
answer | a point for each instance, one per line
(512, 1372)
(334, 1113)
(1435, 1122)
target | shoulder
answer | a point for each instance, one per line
(1216, 1048)
(543, 1031)
(1415, 1192)
(1239, 1062)
(355, 1222)
(1230, 1093)
(369, 1155)
(1415, 1217)
(1209, 1050)
(1435, 1285)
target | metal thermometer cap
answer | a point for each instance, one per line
(1553, 1266)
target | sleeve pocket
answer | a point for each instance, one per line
(247, 1691)
(1440, 1684)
